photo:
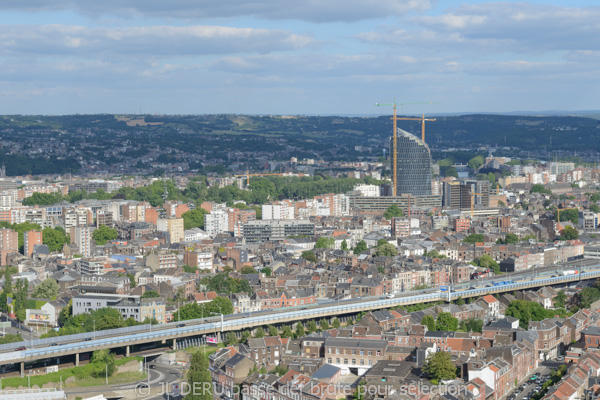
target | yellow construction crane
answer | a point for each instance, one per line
(395, 140)
(423, 119)
(248, 175)
(473, 194)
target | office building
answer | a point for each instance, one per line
(413, 165)
(9, 243)
(30, 239)
(81, 236)
(262, 231)
(175, 230)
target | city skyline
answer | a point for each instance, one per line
(65, 57)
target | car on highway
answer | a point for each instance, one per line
(390, 296)
(180, 325)
(152, 366)
(21, 348)
(87, 339)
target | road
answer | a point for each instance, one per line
(161, 377)
(61, 346)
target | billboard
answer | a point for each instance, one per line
(212, 340)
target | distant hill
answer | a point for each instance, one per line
(109, 140)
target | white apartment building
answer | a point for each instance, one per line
(216, 222)
(280, 210)
(368, 190)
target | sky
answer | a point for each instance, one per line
(297, 57)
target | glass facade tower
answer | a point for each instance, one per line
(414, 165)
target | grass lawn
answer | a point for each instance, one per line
(55, 377)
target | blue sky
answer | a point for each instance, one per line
(301, 57)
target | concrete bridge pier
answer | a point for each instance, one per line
(22, 369)
(174, 344)
(127, 351)
(77, 359)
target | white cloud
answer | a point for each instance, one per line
(155, 41)
(493, 27)
(307, 10)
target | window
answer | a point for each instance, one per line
(353, 352)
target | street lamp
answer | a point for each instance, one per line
(216, 313)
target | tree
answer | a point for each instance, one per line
(345, 244)
(194, 310)
(501, 204)
(460, 301)
(595, 209)
(222, 283)
(539, 188)
(446, 322)
(247, 269)
(230, 339)
(104, 363)
(189, 269)
(286, 332)
(560, 299)
(150, 294)
(511, 238)
(325, 243)
(429, 322)
(312, 326)
(280, 370)
(194, 218)
(486, 261)
(132, 281)
(434, 254)
(199, 377)
(569, 233)
(571, 215)
(360, 247)
(324, 324)
(471, 325)
(474, 238)
(55, 238)
(267, 271)
(48, 289)
(387, 250)
(104, 234)
(11, 338)
(259, 333)
(475, 162)
(309, 256)
(300, 330)
(272, 330)
(336, 322)
(393, 211)
(439, 366)
(359, 394)
(526, 311)
(245, 336)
